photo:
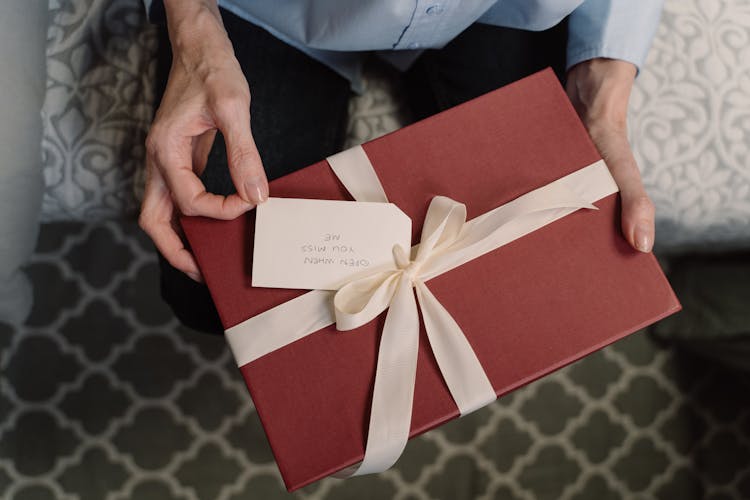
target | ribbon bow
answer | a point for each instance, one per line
(447, 241)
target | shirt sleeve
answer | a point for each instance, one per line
(616, 29)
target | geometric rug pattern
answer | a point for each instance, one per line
(104, 396)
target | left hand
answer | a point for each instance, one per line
(599, 90)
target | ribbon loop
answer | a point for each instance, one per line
(359, 302)
(442, 226)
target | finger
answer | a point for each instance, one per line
(638, 220)
(171, 247)
(245, 164)
(193, 199)
(156, 220)
(637, 209)
(173, 157)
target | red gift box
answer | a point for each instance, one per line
(527, 308)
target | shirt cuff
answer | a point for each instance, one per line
(615, 29)
(622, 53)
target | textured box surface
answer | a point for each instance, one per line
(527, 308)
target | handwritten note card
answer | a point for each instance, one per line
(322, 244)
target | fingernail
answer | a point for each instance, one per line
(256, 189)
(642, 238)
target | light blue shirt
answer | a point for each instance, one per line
(339, 32)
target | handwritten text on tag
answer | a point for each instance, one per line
(322, 244)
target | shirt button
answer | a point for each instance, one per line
(414, 45)
(434, 10)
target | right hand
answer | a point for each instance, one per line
(206, 91)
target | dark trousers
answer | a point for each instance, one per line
(299, 109)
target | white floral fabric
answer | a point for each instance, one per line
(99, 103)
(689, 117)
(690, 124)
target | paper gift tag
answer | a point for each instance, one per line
(322, 244)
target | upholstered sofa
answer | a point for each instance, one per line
(688, 117)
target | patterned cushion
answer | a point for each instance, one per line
(689, 120)
(690, 124)
(100, 65)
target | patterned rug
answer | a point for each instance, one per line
(104, 396)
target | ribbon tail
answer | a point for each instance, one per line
(462, 371)
(393, 393)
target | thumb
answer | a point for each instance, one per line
(245, 165)
(637, 208)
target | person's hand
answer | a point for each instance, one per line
(599, 90)
(206, 92)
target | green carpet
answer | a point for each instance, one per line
(104, 396)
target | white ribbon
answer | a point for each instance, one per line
(447, 241)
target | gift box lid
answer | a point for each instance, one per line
(527, 308)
